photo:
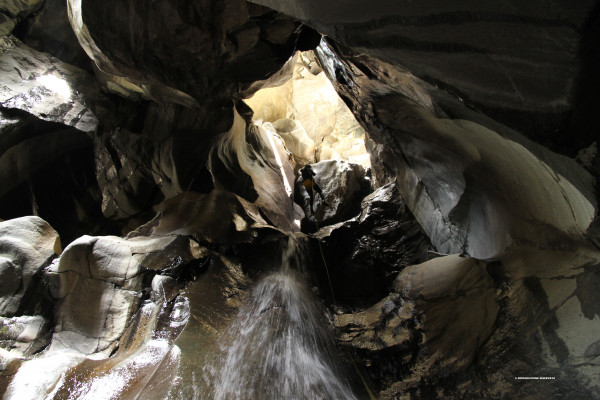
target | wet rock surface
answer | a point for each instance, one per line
(364, 254)
(470, 271)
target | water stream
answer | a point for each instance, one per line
(280, 346)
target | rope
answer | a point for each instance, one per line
(349, 355)
(325, 264)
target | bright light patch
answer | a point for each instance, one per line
(56, 84)
(288, 188)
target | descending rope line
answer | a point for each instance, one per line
(350, 356)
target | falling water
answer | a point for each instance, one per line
(279, 346)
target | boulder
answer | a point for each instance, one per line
(344, 186)
(24, 336)
(98, 282)
(433, 324)
(365, 254)
(27, 246)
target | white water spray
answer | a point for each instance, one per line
(279, 346)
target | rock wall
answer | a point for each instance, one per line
(519, 64)
(471, 268)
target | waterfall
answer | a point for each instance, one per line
(279, 346)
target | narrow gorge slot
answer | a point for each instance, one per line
(162, 235)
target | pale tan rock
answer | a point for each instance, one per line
(296, 140)
(456, 300)
(27, 245)
(24, 335)
(98, 281)
(310, 100)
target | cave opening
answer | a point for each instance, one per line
(307, 112)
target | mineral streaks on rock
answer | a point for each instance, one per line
(253, 163)
(98, 285)
(46, 87)
(27, 246)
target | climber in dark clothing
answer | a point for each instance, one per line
(310, 185)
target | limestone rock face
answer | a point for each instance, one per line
(25, 335)
(174, 186)
(459, 204)
(12, 12)
(252, 162)
(27, 245)
(344, 186)
(98, 281)
(296, 140)
(49, 31)
(43, 86)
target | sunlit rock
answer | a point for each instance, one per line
(27, 245)
(141, 316)
(99, 281)
(481, 52)
(43, 86)
(307, 112)
(144, 364)
(252, 162)
(460, 207)
(25, 335)
(296, 140)
(33, 378)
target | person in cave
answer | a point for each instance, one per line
(308, 176)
